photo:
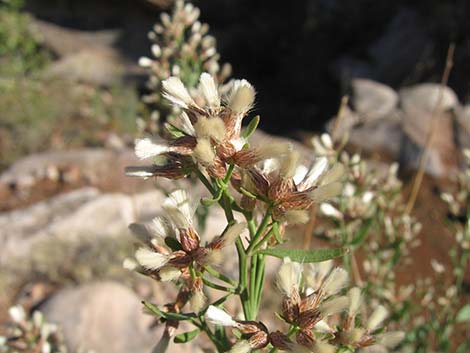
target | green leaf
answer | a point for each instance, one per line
(173, 244)
(186, 336)
(169, 316)
(464, 314)
(361, 233)
(173, 130)
(251, 127)
(306, 256)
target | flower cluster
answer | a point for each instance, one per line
(180, 47)
(172, 248)
(265, 184)
(369, 216)
(320, 319)
(30, 334)
(209, 137)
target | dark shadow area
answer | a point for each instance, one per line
(301, 55)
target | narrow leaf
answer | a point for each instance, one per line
(306, 256)
(169, 316)
(464, 314)
(186, 336)
(173, 244)
(362, 233)
(251, 127)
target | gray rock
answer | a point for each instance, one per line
(424, 98)
(65, 41)
(420, 111)
(92, 164)
(463, 127)
(96, 66)
(102, 317)
(382, 136)
(72, 216)
(373, 100)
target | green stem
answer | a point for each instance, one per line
(204, 180)
(214, 273)
(260, 273)
(261, 229)
(226, 203)
(264, 240)
(218, 287)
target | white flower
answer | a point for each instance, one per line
(326, 192)
(210, 128)
(209, 90)
(145, 62)
(146, 148)
(327, 141)
(203, 152)
(197, 301)
(232, 233)
(241, 97)
(176, 93)
(289, 276)
(317, 272)
(289, 164)
(169, 273)
(17, 313)
(391, 339)
(330, 211)
(150, 259)
(367, 197)
(130, 264)
(355, 301)
(218, 316)
(296, 216)
(156, 50)
(437, 266)
(323, 347)
(242, 346)
(317, 169)
(180, 209)
(334, 306)
(336, 281)
(377, 318)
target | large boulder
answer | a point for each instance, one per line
(101, 317)
(424, 106)
(373, 100)
(71, 216)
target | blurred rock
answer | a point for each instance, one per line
(102, 317)
(81, 213)
(93, 165)
(419, 104)
(95, 66)
(424, 98)
(66, 41)
(374, 124)
(383, 136)
(463, 127)
(373, 100)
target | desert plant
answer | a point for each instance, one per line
(267, 187)
(181, 47)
